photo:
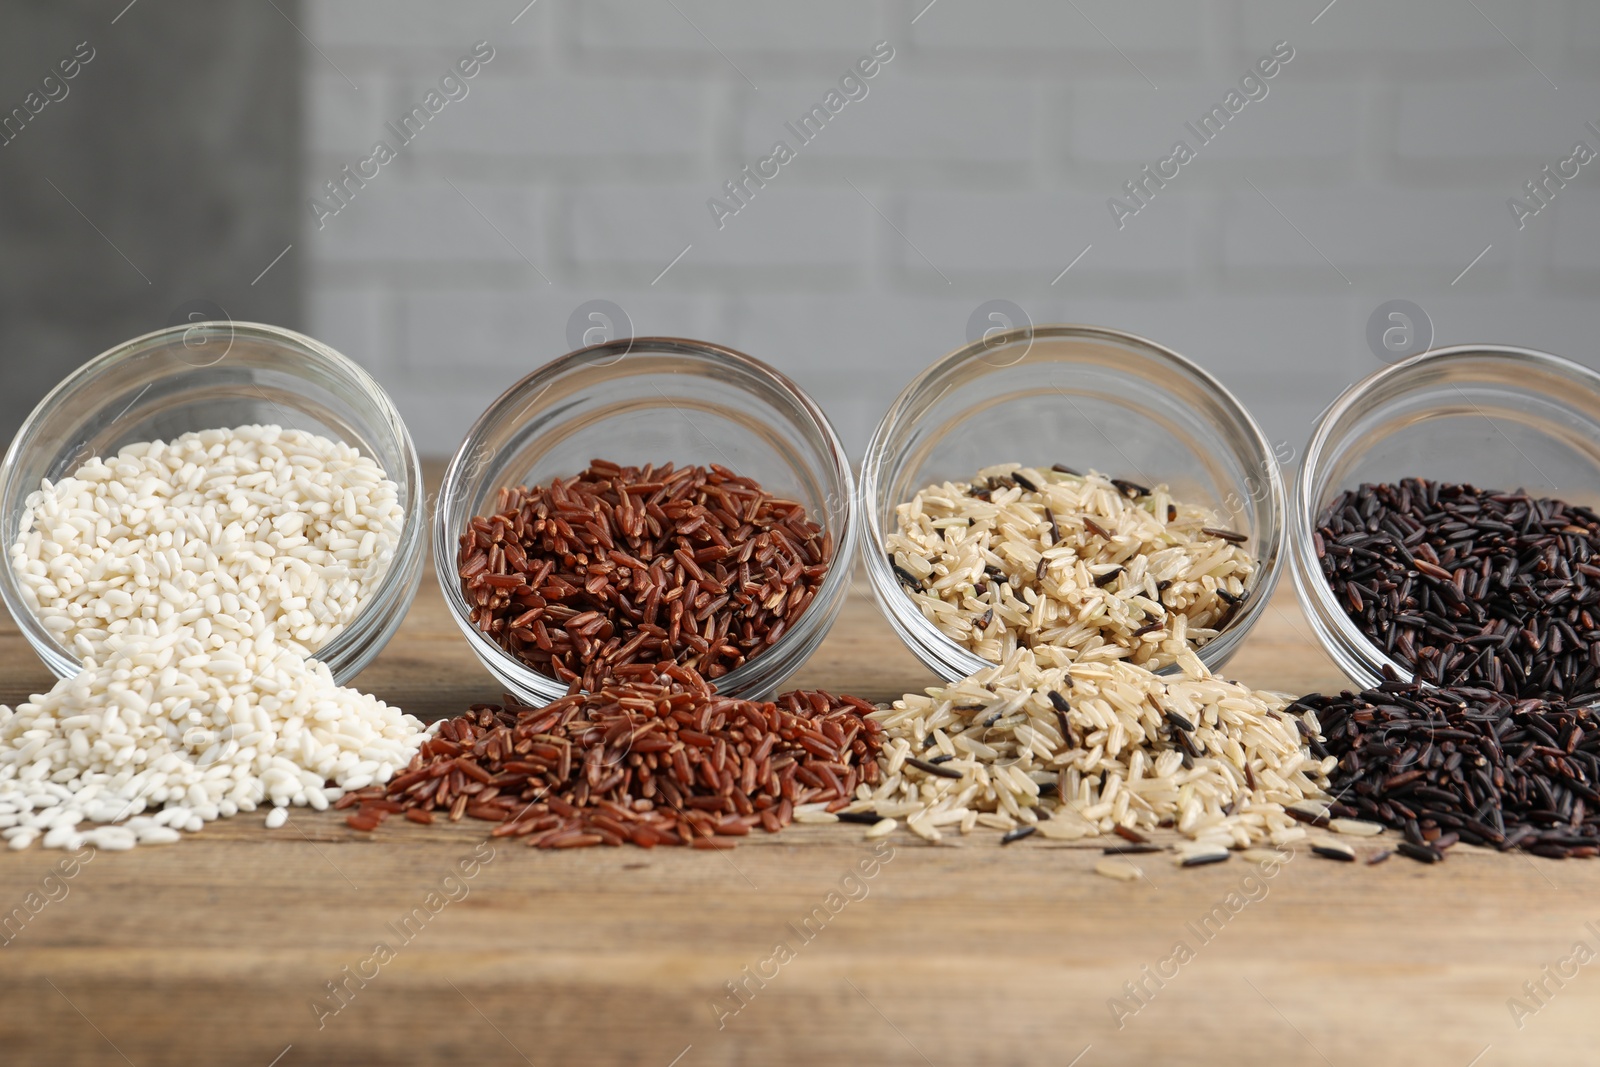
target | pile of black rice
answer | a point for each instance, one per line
(1474, 587)
(1443, 765)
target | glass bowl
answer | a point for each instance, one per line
(651, 400)
(203, 376)
(1088, 397)
(1494, 416)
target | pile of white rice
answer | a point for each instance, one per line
(226, 532)
(1074, 568)
(190, 735)
(1122, 761)
(194, 578)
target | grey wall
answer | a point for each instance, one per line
(981, 163)
(166, 174)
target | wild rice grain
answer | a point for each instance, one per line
(1117, 763)
(1201, 857)
(1312, 813)
(933, 768)
(1073, 567)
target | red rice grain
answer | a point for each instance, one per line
(649, 759)
(628, 565)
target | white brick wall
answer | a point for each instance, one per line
(1031, 236)
(562, 116)
(1451, 120)
(376, 25)
(905, 121)
(731, 25)
(1411, 39)
(1572, 226)
(427, 222)
(623, 227)
(1302, 124)
(1423, 236)
(447, 336)
(989, 144)
(1161, 30)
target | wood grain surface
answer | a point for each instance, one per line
(220, 950)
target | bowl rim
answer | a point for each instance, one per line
(755, 673)
(348, 651)
(944, 655)
(1353, 651)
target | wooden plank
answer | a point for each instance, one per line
(220, 949)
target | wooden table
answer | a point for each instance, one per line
(218, 950)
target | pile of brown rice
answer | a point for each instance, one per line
(1074, 567)
(1081, 750)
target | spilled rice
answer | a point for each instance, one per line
(654, 757)
(169, 736)
(194, 578)
(1080, 751)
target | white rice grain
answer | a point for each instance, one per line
(195, 577)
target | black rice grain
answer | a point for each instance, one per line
(1463, 764)
(1470, 587)
(1420, 853)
